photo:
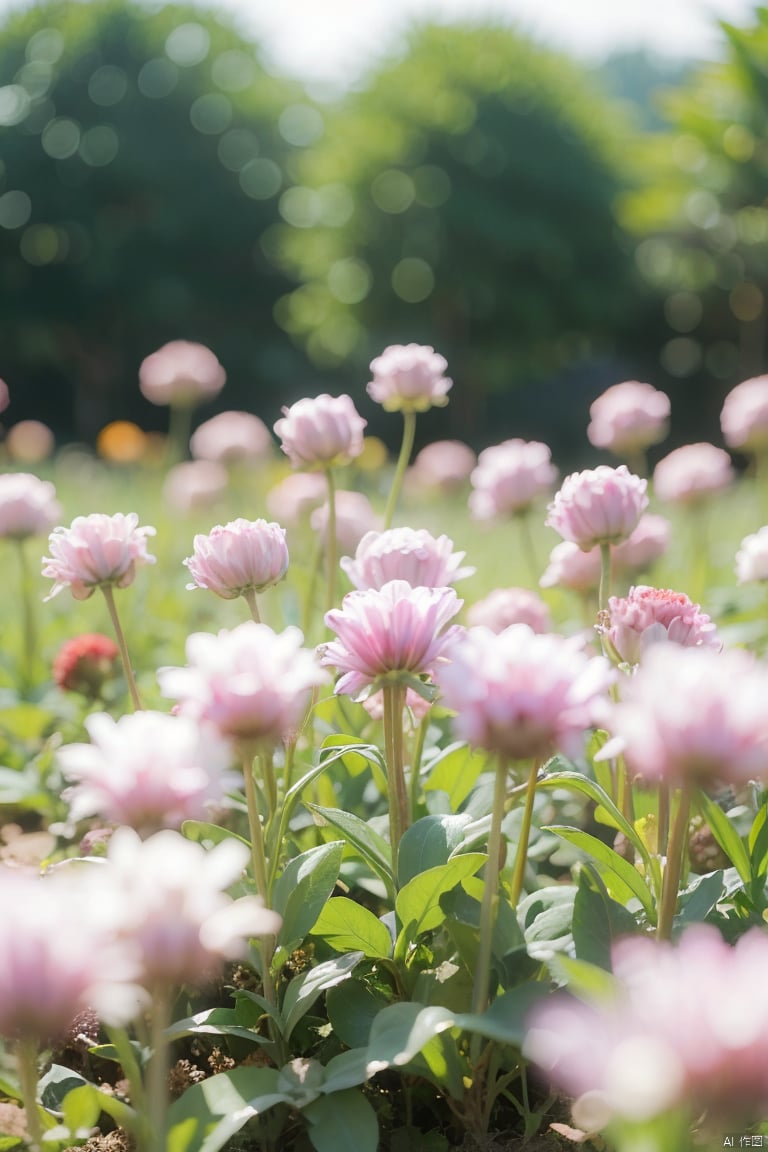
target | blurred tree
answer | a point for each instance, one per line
(702, 221)
(639, 79)
(143, 154)
(464, 198)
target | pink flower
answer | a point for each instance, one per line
(181, 373)
(321, 431)
(96, 550)
(444, 464)
(28, 506)
(30, 441)
(292, 500)
(410, 378)
(598, 506)
(409, 554)
(744, 418)
(240, 557)
(694, 714)
(251, 683)
(231, 437)
(648, 542)
(509, 477)
(354, 518)
(523, 695)
(387, 631)
(506, 606)
(173, 908)
(150, 770)
(57, 956)
(85, 663)
(692, 473)
(194, 485)
(570, 567)
(687, 1027)
(629, 417)
(752, 557)
(653, 615)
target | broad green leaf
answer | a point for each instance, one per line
(625, 880)
(241, 1021)
(455, 771)
(343, 1122)
(588, 981)
(355, 754)
(726, 835)
(400, 1031)
(418, 903)
(699, 898)
(8, 1142)
(203, 832)
(210, 1113)
(81, 1107)
(346, 1071)
(373, 848)
(427, 844)
(53, 1087)
(505, 1019)
(758, 843)
(302, 890)
(25, 721)
(23, 789)
(547, 916)
(351, 1009)
(303, 990)
(348, 926)
(598, 921)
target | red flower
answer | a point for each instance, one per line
(84, 663)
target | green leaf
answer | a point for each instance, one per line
(622, 878)
(302, 890)
(355, 754)
(418, 903)
(699, 898)
(81, 1107)
(589, 982)
(726, 836)
(53, 1087)
(346, 1070)
(505, 1019)
(351, 1010)
(455, 771)
(547, 916)
(303, 990)
(7, 1142)
(343, 1122)
(597, 922)
(25, 721)
(210, 1113)
(241, 1021)
(758, 843)
(347, 926)
(400, 1031)
(428, 843)
(205, 833)
(373, 848)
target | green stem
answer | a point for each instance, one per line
(120, 1041)
(674, 865)
(529, 547)
(157, 1073)
(29, 631)
(109, 596)
(250, 598)
(525, 834)
(406, 447)
(418, 751)
(179, 429)
(26, 1055)
(605, 576)
(331, 543)
(266, 944)
(663, 819)
(482, 979)
(393, 744)
(309, 602)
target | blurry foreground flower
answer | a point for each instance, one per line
(121, 441)
(687, 1028)
(654, 615)
(86, 663)
(149, 770)
(409, 377)
(254, 685)
(444, 465)
(28, 506)
(30, 442)
(505, 606)
(647, 544)
(181, 373)
(628, 418)
(354, 518)
(239, 559)
(409, 554)
(393, 633)
(752, 558)
(295, 496)
(509, 477)
(231, 437)
(96, 551)
(744, 418)
(570, 567)
(598, 506)
(692, 473)
(194, 485)
(321, 432)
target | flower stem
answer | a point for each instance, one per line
(157, 1073)
(605, 576)
(250, 598)
(266, 944)
(399, 816)
(309, 600)
(674, 865)
(331, 543)
(480, 989)
(109, 596)
(525, 835)
(179, 429)
(26, 1055)
(406, 447)
(29, 631)
(421, 735)
(528, 546)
